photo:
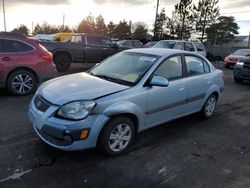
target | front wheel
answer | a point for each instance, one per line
(209, 106)
(117, 136)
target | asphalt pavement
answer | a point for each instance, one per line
(186, 153)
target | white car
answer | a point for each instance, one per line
(196, 47)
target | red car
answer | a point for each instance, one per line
(232, 59)
(24, 63)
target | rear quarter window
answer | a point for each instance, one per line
(200, 47)
(19, 46)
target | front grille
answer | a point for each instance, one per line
(246, 66)
(55, 141)
(41, 104)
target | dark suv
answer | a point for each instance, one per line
(242, 70)
(23, 63)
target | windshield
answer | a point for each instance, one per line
(165, 44)
(125, 68)
(242, 52)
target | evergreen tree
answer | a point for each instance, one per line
(140, 32)
(222, 31)
(110, 29)
(159, 25)
(123, 30)
(101, 27)
(205, 14)
(87, 25)
(22, 29)
(184, 18)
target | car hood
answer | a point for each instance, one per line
(80, 86)
(235, 57)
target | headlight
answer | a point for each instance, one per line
(76, 110)
(240, 64)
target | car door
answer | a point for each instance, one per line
(107, 49)
(166, 103)
(198, 81)
(93, 49)
(8, 58)
(77, 44)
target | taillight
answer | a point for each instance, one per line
(47, 57)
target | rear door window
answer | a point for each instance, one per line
(196, 66)
(170, 68)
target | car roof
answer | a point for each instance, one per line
(158, 51)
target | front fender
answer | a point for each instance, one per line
(125, 107)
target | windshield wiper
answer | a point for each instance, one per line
(116, 80)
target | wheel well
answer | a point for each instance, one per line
(216, 94)
(22, 68)
(129, 115)
(63, 53)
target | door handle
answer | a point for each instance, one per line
(6, 59)
(181, 87)
(209, 82)
(105, 48)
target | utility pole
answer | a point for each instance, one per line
(63, 20)
(4, 20)
(156, 16)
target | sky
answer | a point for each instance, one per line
(51, 11)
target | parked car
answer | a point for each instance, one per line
(234, 57)
(242, 70)
(44, 37)
(23, 63)
(196, 47)
(129, 44)
(150, 44)
(126, 94)
(83, 48)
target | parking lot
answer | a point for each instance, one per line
(189, 152)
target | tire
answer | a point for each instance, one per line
(238, 80)
(62, 62)
(209, 106)
(21, 82)
(227, 66)
(122, 130)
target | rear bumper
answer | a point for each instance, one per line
(49, 72)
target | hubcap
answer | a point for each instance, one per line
(22, 83)
(120, 137)
(210, 106)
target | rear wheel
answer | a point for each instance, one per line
(21, 82)
(209, 106)
(238, 80)
(62, 62)
(117, 136)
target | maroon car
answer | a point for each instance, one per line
(23, 63)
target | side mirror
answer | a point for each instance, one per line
(159, 81)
